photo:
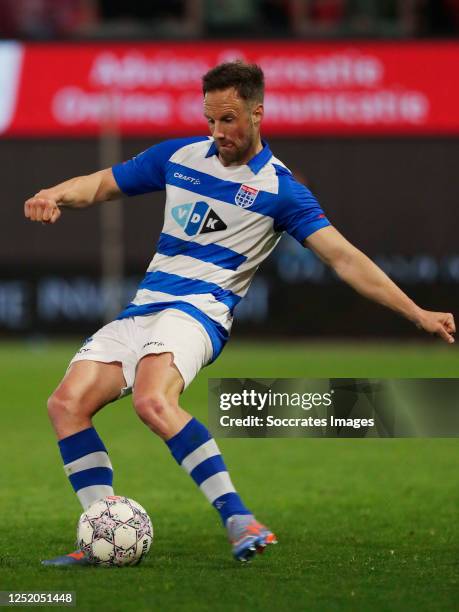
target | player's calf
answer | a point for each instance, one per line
(159, 413)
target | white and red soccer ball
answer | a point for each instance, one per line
(115, 531)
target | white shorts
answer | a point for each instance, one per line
(168, 331)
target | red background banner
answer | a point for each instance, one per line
(155, 89)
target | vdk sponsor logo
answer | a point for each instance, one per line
(197, 218)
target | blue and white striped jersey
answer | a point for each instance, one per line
(220, 223)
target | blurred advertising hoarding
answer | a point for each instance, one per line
(351, 88)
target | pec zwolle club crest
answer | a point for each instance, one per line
(197, 218)
(246, 195)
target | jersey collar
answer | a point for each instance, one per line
(256, 163)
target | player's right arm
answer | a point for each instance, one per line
(78, 192)
(143, 173)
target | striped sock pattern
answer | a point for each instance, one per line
(197, 452)
(87, 466)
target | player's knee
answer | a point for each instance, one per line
(55, 407)
(60, 407)
(153, 409)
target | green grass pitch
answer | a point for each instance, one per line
(363, 525)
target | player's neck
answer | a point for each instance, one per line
(254, 150)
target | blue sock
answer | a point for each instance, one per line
(197, 452)
(87, 466)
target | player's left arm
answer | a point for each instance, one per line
(363, 275)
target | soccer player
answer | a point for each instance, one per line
(228, 201)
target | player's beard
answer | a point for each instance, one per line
(236, 153)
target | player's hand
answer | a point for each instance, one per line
(42, 208)
(439, 323)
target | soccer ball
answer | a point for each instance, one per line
(114, 531)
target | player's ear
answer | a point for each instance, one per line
(257, 113)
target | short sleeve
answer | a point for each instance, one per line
(300, 214)
(146, 171)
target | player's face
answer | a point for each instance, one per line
(234, 124)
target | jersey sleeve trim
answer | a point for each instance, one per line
(299, 213)
(146, 171)
(303, 232)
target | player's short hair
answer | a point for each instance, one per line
(247, 79)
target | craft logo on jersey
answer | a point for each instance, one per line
(197, 218)
(246, 195)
